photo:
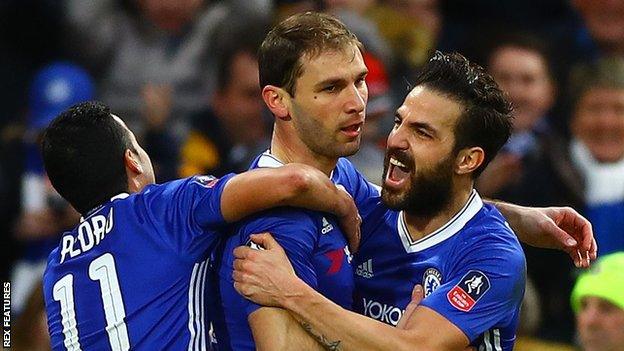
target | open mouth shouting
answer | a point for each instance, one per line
(398, 173)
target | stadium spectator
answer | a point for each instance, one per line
(604, 27)
(44, 214)
(412, 30)
(354, 15)
(598, 302)
(30, 37)
(231, 131)
(520, 64)
(164, 43)
(597, 149)
(586, 173)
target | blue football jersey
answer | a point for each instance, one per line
(364, 193)
(132, 274)
(472, 269)
(315, 246)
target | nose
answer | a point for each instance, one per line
(357, 98)
(397, 139)
(589, 317)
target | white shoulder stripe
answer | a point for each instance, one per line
(267, 160)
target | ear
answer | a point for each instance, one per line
(469, 159)
(277, 100)
(131, 161)
(133, 171)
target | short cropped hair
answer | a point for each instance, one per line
(486, 120)
(309, 33)
(606, 72)
(83, 154)
(527, 42)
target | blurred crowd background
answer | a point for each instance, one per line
(183, 75)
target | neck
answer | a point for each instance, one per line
(288, 148)
(422, 226)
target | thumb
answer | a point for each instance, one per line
(418, 294)
(563, 239)
(265, 240)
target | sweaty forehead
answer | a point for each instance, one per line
(332, 62)
(425, 105)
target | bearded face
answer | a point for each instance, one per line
(421, 190)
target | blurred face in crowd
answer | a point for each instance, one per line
(598, 123)
(170, 15)
(239, 103)
(605, 21)
(425, 12)
(523, 74)
(329, 102)
(600, 325)
(419, 164)
(353, 5)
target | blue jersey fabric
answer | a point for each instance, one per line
(314, 244)
(132, 274)
(607, 220)
(472, 269)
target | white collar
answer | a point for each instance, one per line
(268, 160)
(452, 227)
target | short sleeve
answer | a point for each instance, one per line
(187, 212)
(206, 192)
(484, 291)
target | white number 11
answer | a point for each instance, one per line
(102, 269)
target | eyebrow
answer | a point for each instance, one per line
(426, 126)
(418, 125)
(338, 80)
(330, 81)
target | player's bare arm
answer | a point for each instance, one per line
(560, 228)
(275, 329)
(267, 278)
(294, 185)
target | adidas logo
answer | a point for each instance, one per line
(365, 270)
(327, 227)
